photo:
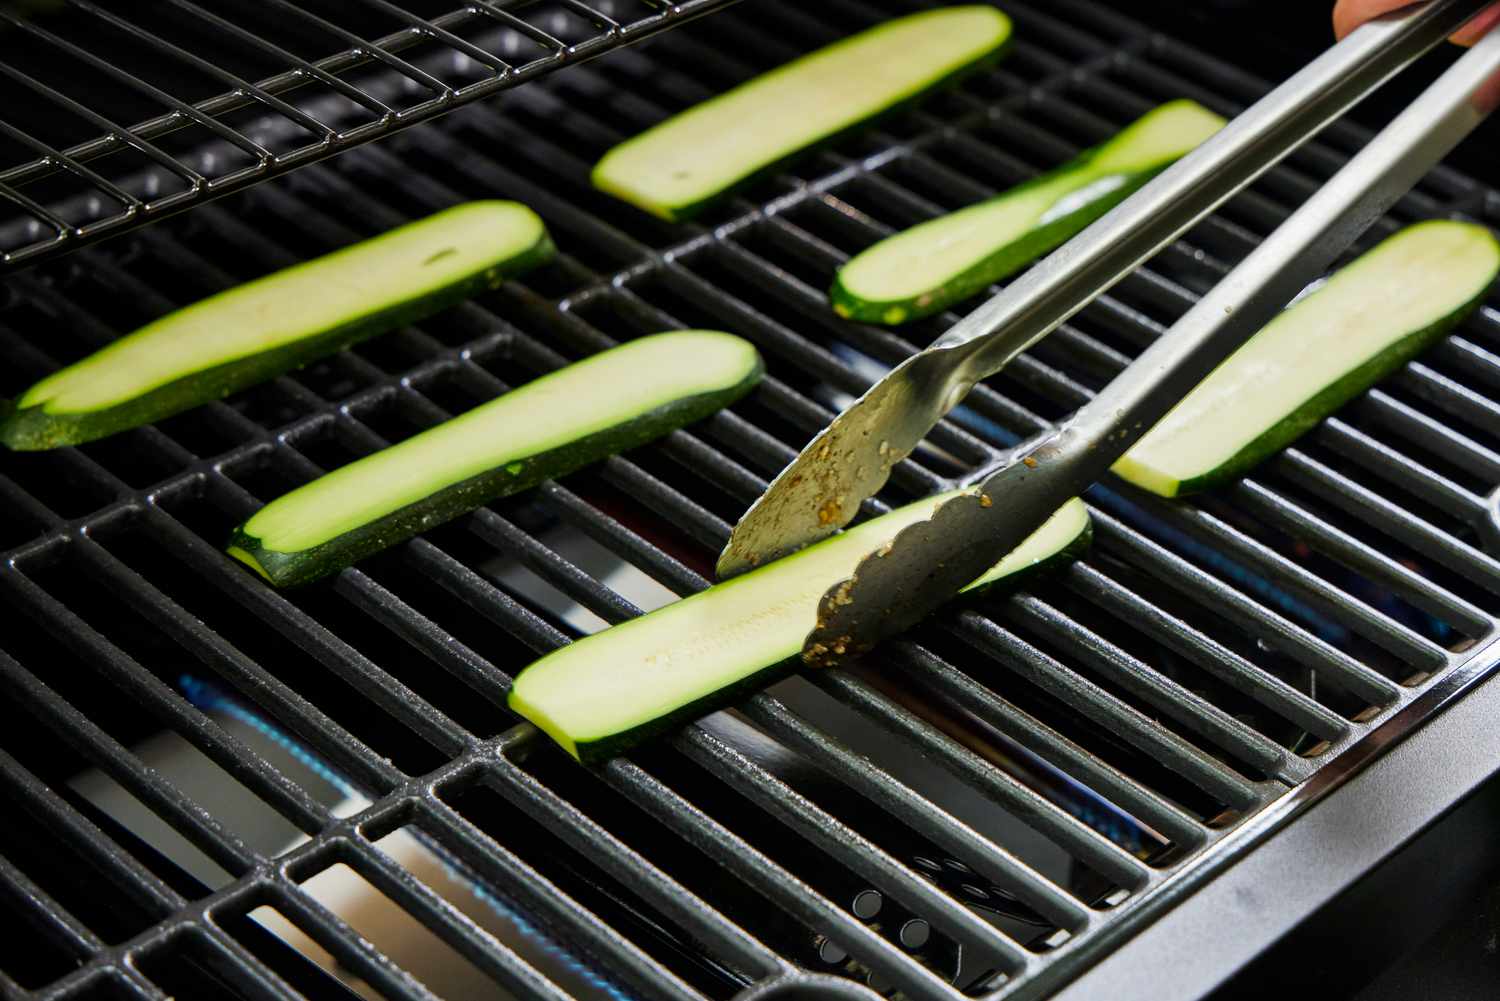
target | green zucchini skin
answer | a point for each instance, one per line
(1312, 413)
(692, 210)
(592, 749)
(592, 752)
(1137, 468)
(603, 177)
(1010, 257)
(287, 569)
(1003, 263)
(34, 428)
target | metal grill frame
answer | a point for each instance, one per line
(202, 181)
(404, 799)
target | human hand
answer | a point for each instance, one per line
(1350, 14)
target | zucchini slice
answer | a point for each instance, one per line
(598, 696)
(608, 403)
(1366, 321)
(265, 327)
(925, 269)
(677, 167)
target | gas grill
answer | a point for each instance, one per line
(1241, 727)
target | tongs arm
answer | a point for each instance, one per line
(932, 560)
(1067, 280)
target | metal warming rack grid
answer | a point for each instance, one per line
(207, 97)
(1195, 671)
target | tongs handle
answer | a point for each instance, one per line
(1068, 279)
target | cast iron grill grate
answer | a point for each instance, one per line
(119, 113)
(1028, 777)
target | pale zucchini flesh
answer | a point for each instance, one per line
(675, 168)
(925, 269)
(1366, 321)
(560, 422)
(273, 324)
(605, 692)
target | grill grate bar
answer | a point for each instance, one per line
(223, 749)
(252, 975)
(529, 889)
(1005, 791)
(332, 742)
(382, 605)
(53, 156)
(1477, 362)
(1390, 518)
(783, 889)
(1400, 470)
(1431, 435)
(23, 505)
(655, 886)
(118, 135)
(1255, 619)
(556, 570)
(1449, 394)
(1378, 566)
(191, 820)
(60, 926)
(344, 751)
(910, 807)
(1168, 697)
(962, 691)
(1273, 565)
(369, 50)
(348, 663)
(77, 832)
(1208, 654)
(1129, 724)
(350, 949)
(489, 601)
(420, 26)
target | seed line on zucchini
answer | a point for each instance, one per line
(604, 693)
(1364, 323)
(268, 326)
(679, 166)
(926, 269)
(589, 410)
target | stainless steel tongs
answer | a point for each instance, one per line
(930, 561)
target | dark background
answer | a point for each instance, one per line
(1273, 38)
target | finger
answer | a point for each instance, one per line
(1350, 14)
(1479, 27)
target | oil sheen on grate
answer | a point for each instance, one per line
(983, 809)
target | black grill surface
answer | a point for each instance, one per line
(982, 808)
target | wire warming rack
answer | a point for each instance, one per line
(224, 93)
